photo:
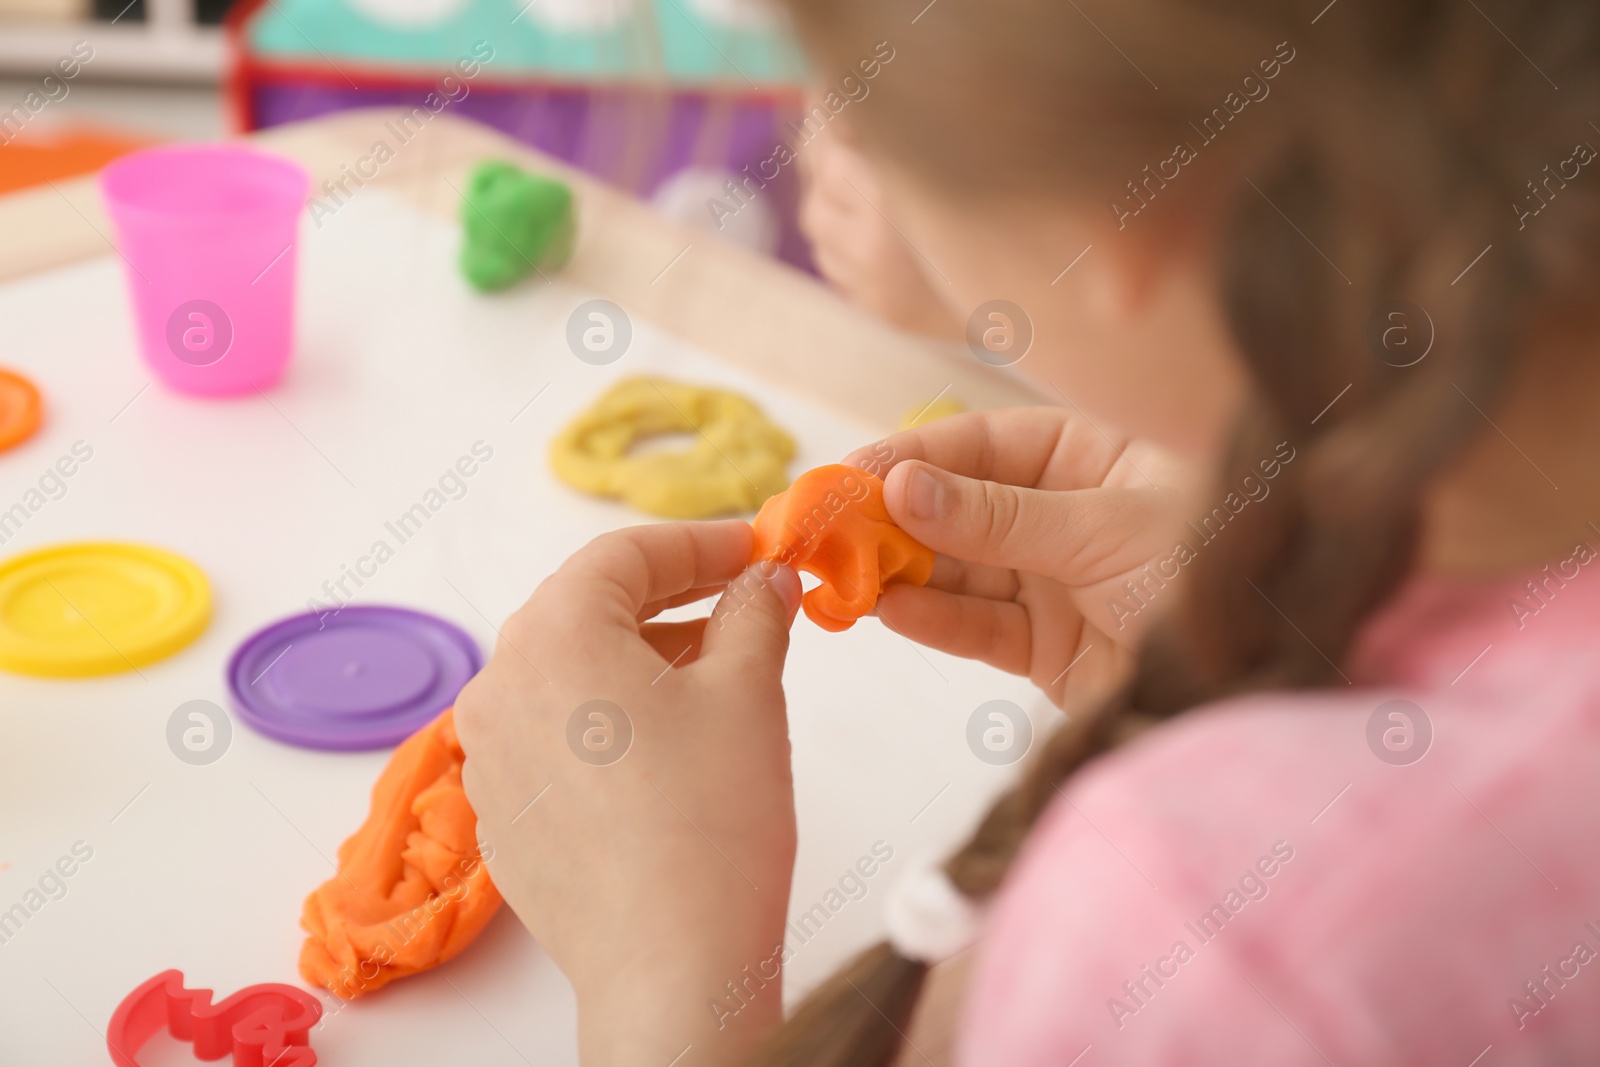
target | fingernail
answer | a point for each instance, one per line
(924, 494)
(787, 583)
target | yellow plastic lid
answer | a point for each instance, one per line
(97, 607)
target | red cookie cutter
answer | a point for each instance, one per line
(265, 1025)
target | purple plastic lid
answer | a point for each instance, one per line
(358, 678)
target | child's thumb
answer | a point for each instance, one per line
(749, 628)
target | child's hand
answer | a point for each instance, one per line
(857, 249)
(1038, 521)
(654, 879)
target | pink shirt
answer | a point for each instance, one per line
(1252, 884)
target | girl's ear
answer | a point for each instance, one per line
(1122, 273)
(1133, 258)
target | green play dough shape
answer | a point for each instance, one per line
(514, 221)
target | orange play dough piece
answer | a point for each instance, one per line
(19, 408)
(832, 523)
(412, 890)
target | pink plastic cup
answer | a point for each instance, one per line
(208, 236)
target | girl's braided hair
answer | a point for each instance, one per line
(1401, 139)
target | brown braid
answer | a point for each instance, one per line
(1405, 133)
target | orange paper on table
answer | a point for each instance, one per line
(412, 890)
(832, 523)
(45, 155)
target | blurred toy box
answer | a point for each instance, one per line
(672, 99)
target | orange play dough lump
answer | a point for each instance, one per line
(832, 523)
(412, 890)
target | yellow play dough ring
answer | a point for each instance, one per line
(938, 408)
(97, 607)
(736, 460)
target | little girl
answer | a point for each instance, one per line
(1305, 554)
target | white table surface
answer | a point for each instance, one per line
(400, 369)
